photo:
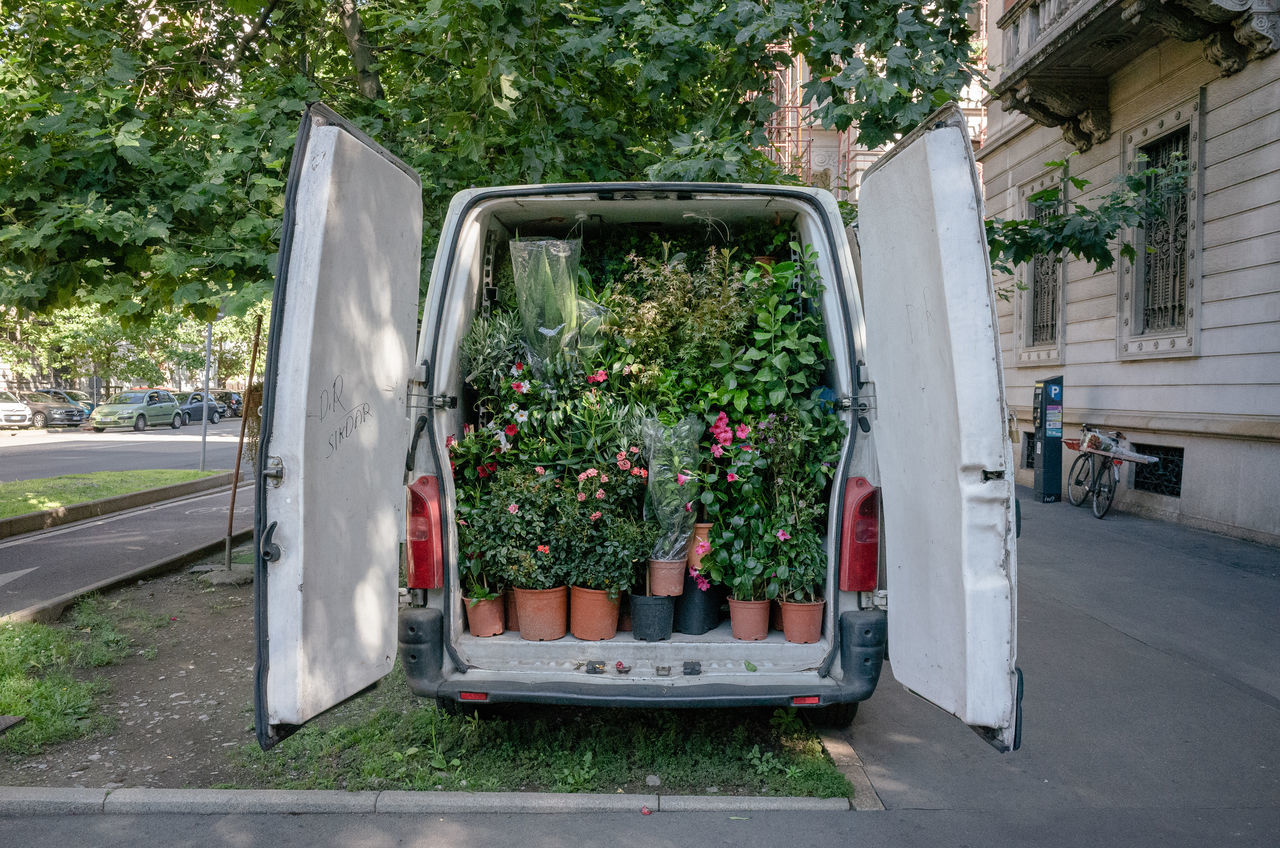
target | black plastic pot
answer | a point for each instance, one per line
(697, 611)
(651, 617)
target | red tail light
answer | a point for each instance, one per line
(860, 537)
(473, 696)
(423, 535)
(805, 701)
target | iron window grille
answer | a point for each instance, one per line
(1164, 245)
(1163, 477)
(1046, 279)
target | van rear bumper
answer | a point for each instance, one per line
(862, 649)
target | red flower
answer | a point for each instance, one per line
(482, 471)
(520, 387)
(544, 549)
(731, 477)
(511, 429)
(595, 515)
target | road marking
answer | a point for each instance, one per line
(14, 575)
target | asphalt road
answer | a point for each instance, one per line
(38, 567)
(1151, 719)
(31, 454)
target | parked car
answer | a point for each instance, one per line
(137, 408)
(193, 407)
(914, 380)
(79, 398)
(234, 402)
(13, 412)
(48, 410)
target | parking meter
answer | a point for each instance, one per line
(1046, 417)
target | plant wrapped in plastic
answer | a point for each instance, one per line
(673, 483)
(546, 283)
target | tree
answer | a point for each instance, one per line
(144, 143)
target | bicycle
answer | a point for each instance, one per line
(1096, 471)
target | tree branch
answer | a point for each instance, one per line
(361, 51)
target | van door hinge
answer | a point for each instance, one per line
(274, 470)
(442, 402)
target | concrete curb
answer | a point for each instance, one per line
(48, 611)
(31, 801)
(32, 521)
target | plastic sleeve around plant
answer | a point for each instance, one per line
(546, 277)
(673, 483)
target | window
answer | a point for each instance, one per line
(1163, 246)
(1163, 477)
(1159, 291)
(1038, 304)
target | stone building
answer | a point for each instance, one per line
(1180, 349)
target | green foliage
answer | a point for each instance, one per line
(388, 740)
(144, 143)
(1085, 232)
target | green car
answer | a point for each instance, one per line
(137, 409)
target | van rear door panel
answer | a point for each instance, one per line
(330, 496)
(945, 461)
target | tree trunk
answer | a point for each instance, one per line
(361, 51)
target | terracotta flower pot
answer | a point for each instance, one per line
(749, 619)
(543, 613)
(484, 618)
(802, 622)
(592, 615)
(666, 577)
(513, 615)
(701, 532)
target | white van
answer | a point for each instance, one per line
(353, 468)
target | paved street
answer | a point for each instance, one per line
(30, 454)
(1152, 718)
(37, 567)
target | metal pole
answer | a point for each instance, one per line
(244, 422)
(204, 418)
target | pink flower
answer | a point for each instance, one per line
(604, 478)
(623, 465)
(741, 431)
(783, 535)
(635, 449)
(582, 496)
(450, 441)
(582, 477)
(731, 477)
(599, 494)
(703, 583)
(601, 376)
(544, 549)
(747, 447)
(520, 387)
(717, 451)
(703, 548)
(513, 509)
(688, 507)
(591, 472)
(644, 472)
(595, 515)
(540, 469)
(621, 455)
(635, 472)
(463, 522)
(626, 370)
(681, 479)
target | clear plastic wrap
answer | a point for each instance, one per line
(546, 283)
(673, 483)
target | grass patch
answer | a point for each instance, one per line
(19, 497)
(39, 668)
(389, 739)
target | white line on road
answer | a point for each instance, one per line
(14, 575)
(78, 527)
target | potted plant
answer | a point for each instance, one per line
(482, 596)
(802, 573)
(673, 488)
(601, 525)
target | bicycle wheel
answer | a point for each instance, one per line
(1104, 491)
(1078, 479)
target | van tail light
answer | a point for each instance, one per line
(860, 536)
(423, 535)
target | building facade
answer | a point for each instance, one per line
(1179, 349)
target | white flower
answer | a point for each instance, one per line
(512, 407)
(521, 416)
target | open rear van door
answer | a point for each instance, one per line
(330, 473)
(946, 463)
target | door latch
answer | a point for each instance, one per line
(274, 470)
